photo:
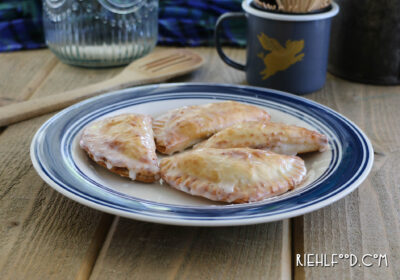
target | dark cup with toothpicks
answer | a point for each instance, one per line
(286, 50)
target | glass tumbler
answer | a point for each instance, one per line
(100, 33)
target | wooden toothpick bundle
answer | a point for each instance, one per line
(293, 6)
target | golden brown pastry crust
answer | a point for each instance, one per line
(186, 126)
(124, 144)
(277, 137)
(235, 175)
(144, 176)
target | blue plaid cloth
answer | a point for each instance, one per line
(20, 25)
(191, 22)
(181, 22)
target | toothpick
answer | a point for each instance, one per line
(295, 6)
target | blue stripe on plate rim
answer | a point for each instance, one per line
(339, 180)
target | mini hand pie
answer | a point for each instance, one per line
(124, 144)
(184, 127)
(233, 175)
(277, 137)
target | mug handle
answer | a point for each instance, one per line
(218, 28)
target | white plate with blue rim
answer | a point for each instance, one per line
(331, 175)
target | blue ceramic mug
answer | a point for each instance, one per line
(287, 52)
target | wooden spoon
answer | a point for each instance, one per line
(153, 68)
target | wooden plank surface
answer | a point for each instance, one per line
(368, 220)
(43, 235)
(22, 73)
(138, 250)
(46, 236)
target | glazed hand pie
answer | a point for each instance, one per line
(277, 137)
(186, 126)
(234, 175)
(124, 144)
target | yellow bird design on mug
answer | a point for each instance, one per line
(279, 58)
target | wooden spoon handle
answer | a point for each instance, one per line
(13, 113)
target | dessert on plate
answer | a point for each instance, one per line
(123, 144)
(277, 137)
(235, 175)
(181, 128)
(246, 159)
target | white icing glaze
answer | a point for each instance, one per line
(186, 126)
(109, 165)
(277, 137)
(132, 174)
(122, 141)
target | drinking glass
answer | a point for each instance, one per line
(100, 33)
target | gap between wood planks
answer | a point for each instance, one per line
(297, 238)
(100, 242)
(108, 224)
(287, 249)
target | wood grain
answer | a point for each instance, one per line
(65, 77)
(154, 68)
(216, 71)
(139, 250)
(367, 221)
(22, 73)
(43, 235)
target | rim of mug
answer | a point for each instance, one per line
(285, 17)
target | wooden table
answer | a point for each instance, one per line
(44, 235)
